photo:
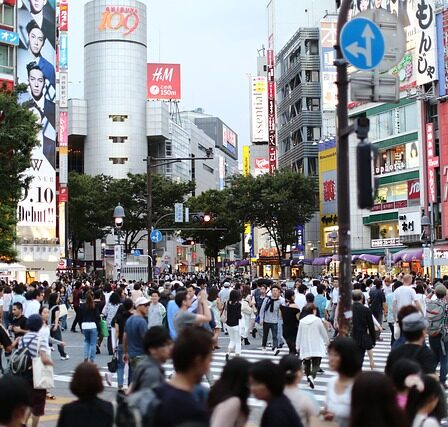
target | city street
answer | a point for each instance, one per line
(253, 352)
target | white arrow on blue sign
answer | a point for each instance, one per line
(362, 43)
(156, 236)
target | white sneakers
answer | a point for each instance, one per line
(66, 357)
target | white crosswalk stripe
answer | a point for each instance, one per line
(381, 351)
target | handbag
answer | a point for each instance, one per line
(63, 310)
(103, 328)
(42, 374)
(113, 364)
(224, 313)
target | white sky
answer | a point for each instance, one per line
(216, 43)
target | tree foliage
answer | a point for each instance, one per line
(278, 203)
(216, 204)
(18, 137)
(93, 199)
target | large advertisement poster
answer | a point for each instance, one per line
(328, 83)
(164, 82)
(259, 109)
(36, 68)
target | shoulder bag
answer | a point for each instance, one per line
(42, 374)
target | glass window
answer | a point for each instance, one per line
(7, 15)
(208, 168)
(392, 193)
(6, 59)
(118, 139)
(118, 117)
(118, 160)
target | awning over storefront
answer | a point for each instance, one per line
(322, 260)
(408, 255)
(373, 259)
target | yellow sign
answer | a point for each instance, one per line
(246, 160)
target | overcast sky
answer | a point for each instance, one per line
(216, 43)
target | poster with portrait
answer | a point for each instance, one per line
(36, 59)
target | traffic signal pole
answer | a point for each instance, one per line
(343, 184)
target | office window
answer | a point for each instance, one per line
(118, 139)
(118, 117)
(6, 59)
(7, 15)
(208, 168)
(118, 160)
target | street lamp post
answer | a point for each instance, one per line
(428, 222)
(103, 255)
(334, 237)
(118, 219)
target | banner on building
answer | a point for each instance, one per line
(426, 42)
(63, 15)
(261, 166)
(259, 109)
(328, 82)
(63, 90)
(271, 112)
(164, 82)
(432, 163)
(246, 160)
(63, 51)
(36, 59)
(409, 224)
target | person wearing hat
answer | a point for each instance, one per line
(134, 331)
(36, 347)
(436, 315)
(414, 328)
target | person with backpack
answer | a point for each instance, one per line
(31, 346)
(436, 315)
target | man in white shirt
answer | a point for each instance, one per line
(33, 306)
(405, 295)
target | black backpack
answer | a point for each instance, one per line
(21, 360)
(137, 409)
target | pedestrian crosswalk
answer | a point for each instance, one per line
(380, 353)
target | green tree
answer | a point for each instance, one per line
(216, 204)
(277, 203)
(131, 192)
(89, 210)
(18, 137)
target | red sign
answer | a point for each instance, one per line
(63, 194)
(120, 18)
(271, 112)
(9, 2)
(389, 205)
(6, 85)
(443, 145)
(63, 15)
(329, 190)
(414, 189)
(433, 162)
(164, 81)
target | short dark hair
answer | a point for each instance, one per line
(348, 351)
(15, 392)
(154, 291)
(269, 374)
(86, 382)
(309, 298)
(114, 298)
(192, 342)
(290, 365)
(413, 335)
(155, 337)
(128, 304)
(180, 297)
(378, 283)
(18, 305)
(33, 66)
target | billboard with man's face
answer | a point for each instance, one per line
(36, 68)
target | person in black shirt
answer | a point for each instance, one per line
(414, 331)
(18, 323)
(233, 308)
(118, 322)
(267, 381)
(192, 355)
(290, 312)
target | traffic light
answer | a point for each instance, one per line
(201, 217)
(188, 242)
(367, 183)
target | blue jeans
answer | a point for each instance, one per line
(436, 346)
(90, 337)
(120, 370)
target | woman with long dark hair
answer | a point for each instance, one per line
(227, 400)
(233, 308)
(426, 405)
(290, 314)
(55, 327)
(374, 402)
(89, 317)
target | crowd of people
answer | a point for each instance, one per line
(143, 326)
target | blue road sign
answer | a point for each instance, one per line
(156, 236)
(137, 252)
(362, 43)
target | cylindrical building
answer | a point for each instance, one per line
(115, 87)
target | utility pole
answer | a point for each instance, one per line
(152, 162)
(343, 184)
